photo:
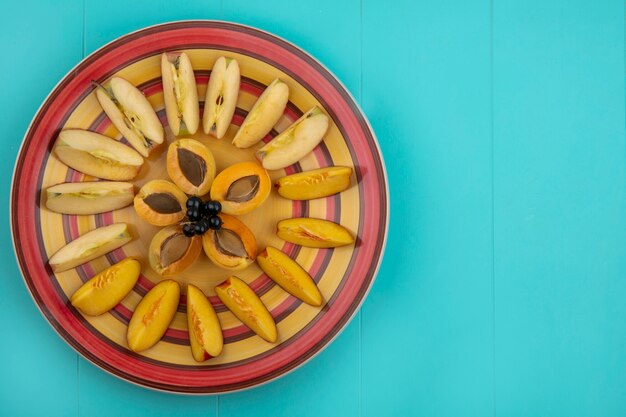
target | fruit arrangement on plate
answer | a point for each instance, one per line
(196, 207)
(199, 207)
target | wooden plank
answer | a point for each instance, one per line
(42, 42)
(329, 383)
(428, 322)
(560, 199)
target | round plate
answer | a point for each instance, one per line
(344, 275)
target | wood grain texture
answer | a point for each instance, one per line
(502, 126)
(34, 357)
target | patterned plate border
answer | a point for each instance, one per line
(369, 169)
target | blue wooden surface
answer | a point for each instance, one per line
(503, 287)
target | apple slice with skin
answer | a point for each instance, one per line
(90, 246)
(180, 93)
(295, 142)
(131, 113)
(153, 315)
(265, 113)
(97, 155)
(221, 97)
(289, 275)
(247, 307)
(89, 197)
(108, 288)
(314, 233)
(205, 332)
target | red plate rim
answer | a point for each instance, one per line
(340, 105)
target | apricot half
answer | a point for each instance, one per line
(247, 307)
(160, 203)
(241, 188)
(289, 275)
(108, 288)
(191, 166)
(316, 183)
(153, 315)
(172, 252)
(205, 332)
(314, 233)
(231, 247)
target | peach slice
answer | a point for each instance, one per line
(205, 332)
(180, 93)
(314, 233)
(231, 247)
(108, 288)
(191, 166)
(265, 113)
(160, 203)
(132, 114)
(221, 97)
(90, 246)
(171, 251)
(289, 275)
(89, 197)
(153, 315)
(316, 183)
(295, 142)
(247, 307)
(241, 188)
(97, 155)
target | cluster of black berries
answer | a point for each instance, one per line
(202, 216)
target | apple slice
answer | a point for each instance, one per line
(89, 197)
(131, 113)
(107, 289)
(205, 332)
(90, 246)
(153, 315)
(248, 307)
(296, 141)
(314, 233)
(289, 275)
(265, 113)
(97, 155)
(180, 93)
(221, 97)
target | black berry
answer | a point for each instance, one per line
(212, 207)
(200, 228)
(189, 230)
(193, 214)
(194, 202)
(215, 223)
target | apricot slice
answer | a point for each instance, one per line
(231, 247)
(314, 233)
(108, 288)
(153, 315)
(180, 93)
(160, 203)
(205, 332)
(191, 166)
(247, 307)
(241, 188)
(296, 141)
(90, 246)
(265, 113)
(171, 251)
(289, 275)
(316, 183)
